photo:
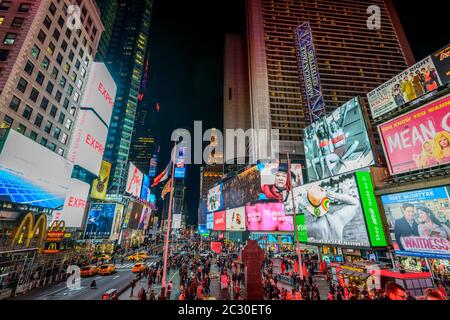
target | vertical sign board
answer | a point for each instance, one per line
(308, 62)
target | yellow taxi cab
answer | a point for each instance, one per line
(139, 267)
(106, 269)
(88, 271)
(104, 257)
(138, 256)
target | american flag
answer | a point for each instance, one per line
(153, 162)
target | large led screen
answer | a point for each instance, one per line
(134, 181)
(219, 221)
(214, 200)
(135, 216)
(418, 139)
(31, 174)
(241, 189)
(338, 143)
(100, 221)
(419, 222)
(235, 219)
(335, 210)
(268, 217)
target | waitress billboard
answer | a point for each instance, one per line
(418, 139)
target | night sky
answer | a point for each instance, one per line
(186, 63)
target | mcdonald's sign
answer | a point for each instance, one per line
(55, 235)
(52, 247)
(29, 229)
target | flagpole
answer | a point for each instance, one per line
(297, 244)
(169, 226)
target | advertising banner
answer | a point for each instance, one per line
(100, 221)
(145, 190)
(418, 139)
(216, 247)
(118, 216)
(202, 230)
(268, 217)
(274, 180)
(145, 217)
(210, 221)
(126, 218)
(135, 216)
(134, 181)
(235, 219)
(241, 189)
(338, 143)
(220, 221)
(416, 81)
(176, 221)
(419, 222)
(100, 185)
(214, 198)
(91, 127)
(74, 204)
(332, 210)
(30, 174)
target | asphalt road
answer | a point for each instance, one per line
(119, 280)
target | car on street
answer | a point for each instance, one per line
(88, 271)
(138, 256)
(139, 267)
(106, 269)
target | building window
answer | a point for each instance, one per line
(72, 110)
(53, 111)
(73, 76)
(81, 53)
(79, 84)
(61, 22)
(17, 22)
(68, 33)
(89, 22)
(41, 36)
(55, 72)
(58, 96)
(68, 124)
(77, 64)
(38, 120)
(59, 58)
(1, 20)
(66, 68)
(64, 45)
(71, 55)
(15, 103)
(47, 22)
(29, 67)
(48, 126)
(56, 133)
(70, 89)
(50, 87)
(40, 78)
(27, 112)
(64, 138)
(76, 96)
(45, 63)
(56, 34)
(21, 128)
(86, 61)
(33, 135)
(66, 103)
(61, 118)
(84, 41)
(10, 38)
(44, 103)
(43, 141)
(24, 7)
(75, 43)
(22, 85)
(51, 48)
(83, 72)
(62, 82)
(52, 9)
(35, 51)
(4, 54)
(60, 152)
(7, 122)
(52, 146)
(34, 95)
(4, 5)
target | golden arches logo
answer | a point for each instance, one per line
(30, 229)
(59, 225)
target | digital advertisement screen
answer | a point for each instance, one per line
(338, 143)
(220, 221)
(118, 216)
(420, 79)
(180, 173)
(335, 211)
(214, 201)
(210, 221)
(235, 219)
(202, 211)
(135, 216)
(418, 139)
(127, 215)
(30, 174)
(100, 220)
(242, 189)
(419, 222)
(145, 217)
(268, 217)
(202, 230)
(134, 181)
(274, 180)
(145, 190)
(100, 185)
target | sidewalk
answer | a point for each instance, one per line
(321, 281)
(222, 294)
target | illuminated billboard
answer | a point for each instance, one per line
(100, 220)
(92, 123)
(74, 204)
(241, 189)
(31, 174)
(145, 217)
(338, 143)
(235, 219)
(210, 221)
(418, 80)
(134, 181)
(214, 201)
(419, 222)
(336, 210)
(145, 190)
(100, 185)
(135, 215)
(219, 223)
(418, 139)
(180, 173)
(268, 217)
(118, 216)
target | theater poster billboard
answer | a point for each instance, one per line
(338, 143)
(418, 80)
(419, 222)
(418, 139)
(340, 210)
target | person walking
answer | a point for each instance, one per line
(132, 285)
(169, 290)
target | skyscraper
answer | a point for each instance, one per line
(125, 58)
(108, 8)
(351, 59)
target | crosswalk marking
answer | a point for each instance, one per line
(131, 264)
